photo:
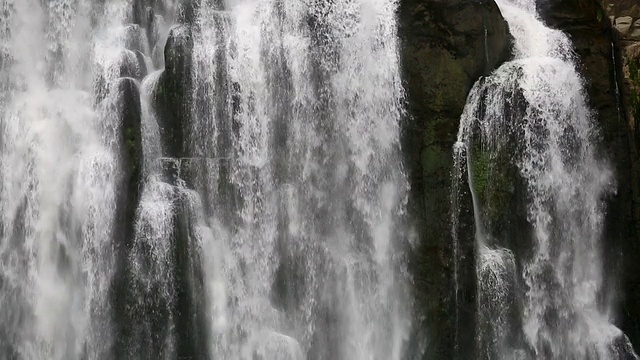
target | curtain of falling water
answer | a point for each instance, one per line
(59, 170)
(528, 127)
(274, 228)
(297, 120)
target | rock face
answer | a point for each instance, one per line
(142, 322)
(624, 16)
(630, 90)
(129, 111)
(172, 95)
(447, 46)
(604, 33)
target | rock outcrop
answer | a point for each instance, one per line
(447, 46)
(628, 77)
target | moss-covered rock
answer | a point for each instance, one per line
(494, 181)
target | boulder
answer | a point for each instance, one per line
(629, 182)
(187, 11)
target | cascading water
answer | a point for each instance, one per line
(529, 141)
(305, 156)
(240, 197)
(59, 176)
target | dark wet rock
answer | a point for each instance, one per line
(446, 46)
(134, 38)
(142, 324)
(129, 112)
(172, 95)
(178, 53)
(187, 11)
(620, 347)
(136, 15)
(287, 290)
(172, 103)
(625, 218)
(191, 306)
(142, 11)
(183, 171)
(131, 116)
(150, 26)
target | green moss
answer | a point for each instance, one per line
(493, 181)
(480, 163)
(130, 142)
(599, 14)
(634, 65)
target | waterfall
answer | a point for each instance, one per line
(307, 161)
(539, 184)
(201, 179)
(58, 179)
